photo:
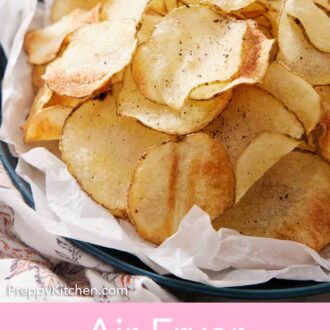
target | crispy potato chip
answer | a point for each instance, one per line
(315, 21)
(194, 115)
(324, 92)
(184, 52)
(148, 23)
(230, 5)
(323, 140)
(291, 201)
(173, 177)
(46, 125)
(301, 57)
(255, 59)
(296, 93)
(157, 6)
(47, 116)
(323, 3)
(170, 5)
(62, 8)
(36, 76)
(102, 149)
(251, 112)
(123, 9)
(94, 55)
(258, 157)
(42, 45)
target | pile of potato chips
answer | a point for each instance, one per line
(163, 104)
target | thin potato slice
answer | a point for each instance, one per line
(189, 47)
(324, 138)
(102, 149)
(175, 176)
(148, 23)
(36, 76)
(323, 3)
(62, 8)
(251, 112)
(47, 116)
(291, 201)
(42, 45)
(46, 125)
(157, 6)
(315, 21)
(194, 115)
(255, 59)
(95, 53)
(230, 5)
(296, 93)
(258, 157)
(123, 9)
(299, 55)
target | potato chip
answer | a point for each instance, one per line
(123, 9)
(36, 76)
(47, 116)
(323, 137)
(42, 45)
(255, 59)
(157, 6)
(296, 93)
(194, 115)
(95, 53)
(299, 55)
(175, 176)
(46, 125)
(148, 23)
(315, 21)
(323, 3)
(258, 157)
(251, 112)
(62, 8)
(170, 5)
(102, 149)
(184, 52)
(291, 201)
(230, 5)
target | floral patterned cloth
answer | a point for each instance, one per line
(37, 266)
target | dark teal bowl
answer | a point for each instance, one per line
(272, 290)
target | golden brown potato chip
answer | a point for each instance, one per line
(42, 45)
(323, 3)
(96, 52)
(323, 140)
(194, 115)
(184, 52)
(291, 201)
(170, 5)
(299, 55)
(296, 93)
(47, 115)
(36, 76)
(123, 9)
(157, 6)
(175, 176)
(258, 157)
(255, 59)
(102, 149)
(46, 125)
(62, 8)
(251, 112)
(148, 23)
(230, 5)
(315, 21)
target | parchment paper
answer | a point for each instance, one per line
(196, 252)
